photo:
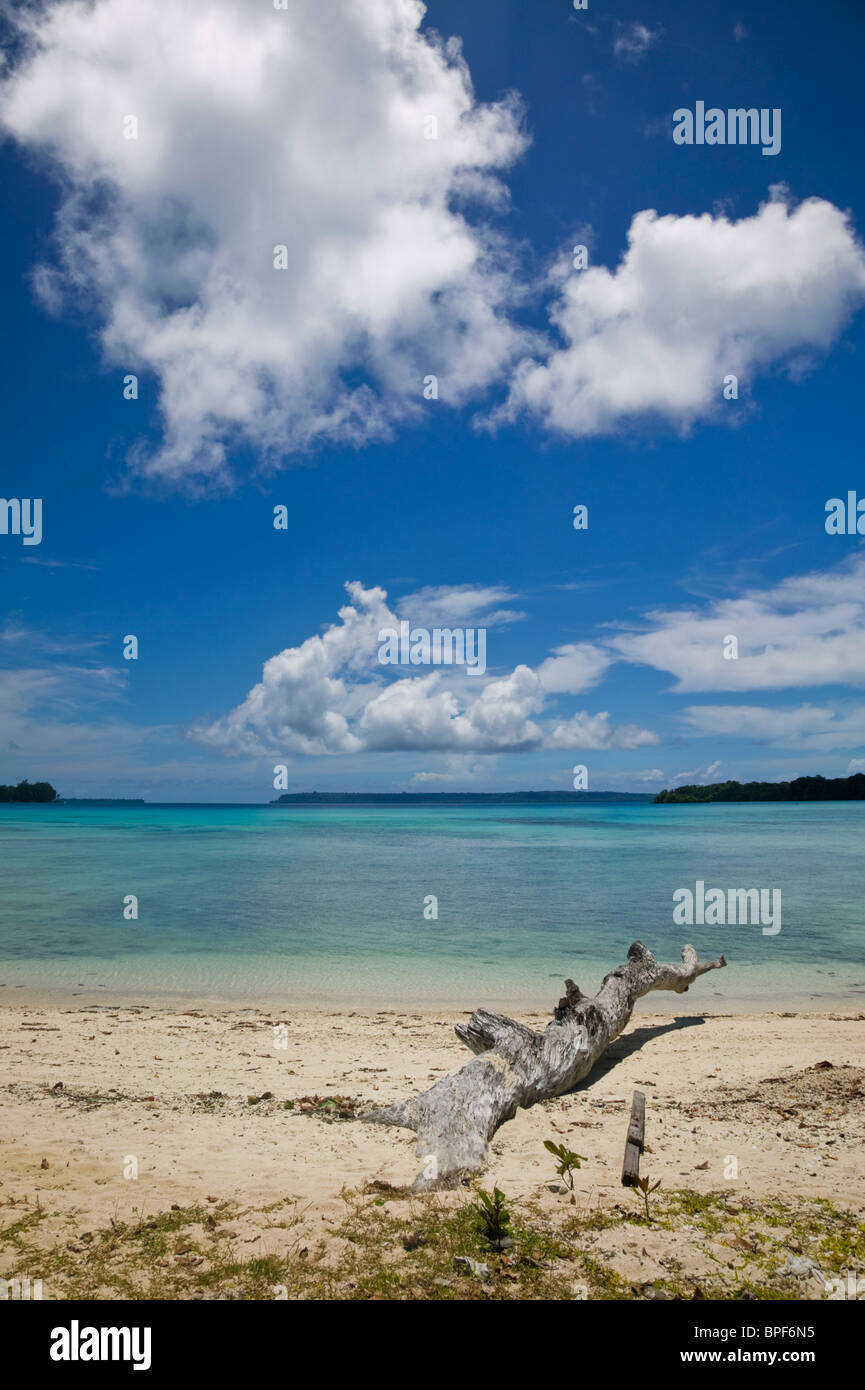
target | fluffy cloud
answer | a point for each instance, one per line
(805, 631)
(331, 695)
(257, 128)
(693, 300)
(594, 731)
(425, 712)
(574, 668)
(305, 128)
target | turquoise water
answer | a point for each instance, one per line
(325, 905)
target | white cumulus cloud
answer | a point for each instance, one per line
(256, 128)
(693, 300)
(575, 667)
(332, 695)
(305, 128)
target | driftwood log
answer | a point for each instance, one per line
(515, 1066)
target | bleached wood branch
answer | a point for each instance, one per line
(515, 1067)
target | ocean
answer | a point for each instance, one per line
(258, 906)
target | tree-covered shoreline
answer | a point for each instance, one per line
(802, 789)
(28, 791)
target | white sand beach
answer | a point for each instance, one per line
(195, 1104)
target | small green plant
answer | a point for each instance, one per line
(567, 1164)
(645, 1186)
(494, 1221)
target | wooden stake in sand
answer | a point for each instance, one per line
(514, 1066)
(635, 1140)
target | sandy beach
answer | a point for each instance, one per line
(242, 1123)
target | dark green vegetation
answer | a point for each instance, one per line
(803, 789)
(28, 791)
(568, 1162)
(494, 1219)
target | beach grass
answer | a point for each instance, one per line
(391, 1245)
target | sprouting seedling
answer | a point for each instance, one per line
(567, 1164)
(494, 1222)
(646, 1186)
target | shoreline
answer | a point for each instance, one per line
(232, 1135)
(178, 1001)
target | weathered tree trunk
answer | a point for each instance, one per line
(515, 1066)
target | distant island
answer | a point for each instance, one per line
(803, 789)
(44, 792)
(554, 798)
(28, 791)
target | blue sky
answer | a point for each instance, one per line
(706, 516)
